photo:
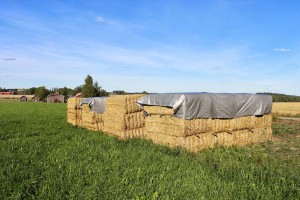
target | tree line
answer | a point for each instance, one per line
(90, 88)
(283, 97)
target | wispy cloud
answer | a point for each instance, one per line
(9, 59)
(101, 19)
(283, 50)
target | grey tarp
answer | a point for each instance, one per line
(211, 105)
(97, 104)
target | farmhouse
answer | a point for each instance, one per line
(55, 98)
(35, 99)
(23, 99)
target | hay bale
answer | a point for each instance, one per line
(200, 142)
(158, 110)
(163, 139)
(73, 103)
(126, 134)
(123, 117)
(123, 104)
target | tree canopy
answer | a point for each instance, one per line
(91, 88)
(41, 92)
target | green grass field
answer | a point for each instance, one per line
(43, 157)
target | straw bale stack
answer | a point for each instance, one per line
(198, 134)
(123, 117)
(174, 126)
(203, 141)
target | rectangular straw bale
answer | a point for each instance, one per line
(71, 111)
(71, 114)
(72, 103)
(171, 125)
(201, 141)
(111, 126)
(261, 121)
(99, 117)
(123, 103)
(72, 121)
(88, 117)
(135, 120)
(164, 139)
(79, 114)
(126, 134)
(225, 139)
(244, 137)
(85, 107)
(158, 110)
(167, 129)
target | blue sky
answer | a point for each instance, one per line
(158, 46)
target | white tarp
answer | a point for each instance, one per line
(211, 105)
(97, 104)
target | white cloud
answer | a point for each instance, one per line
(99, 19)
(283, 50)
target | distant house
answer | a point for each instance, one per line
(6, 93)
(55, 98)
(23, 99)
(35, 99)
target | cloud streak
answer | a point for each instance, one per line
(9, 59)
(283, 50)
(101, 19)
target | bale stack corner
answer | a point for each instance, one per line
(123, 117)
(73, 111)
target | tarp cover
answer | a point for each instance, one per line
(211, 105)
(97, 104)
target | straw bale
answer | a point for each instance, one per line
(99, 117)
(158, 110)
(72, 121)
(126, 134)
(73, 102)
(175, 126)
(225, 139)
(244, 137)
(124, 121)
(167, 129)
(164, 139)
(200, 141)
(134, 120)
(88, 117)
(123, 104)
(123, 99)
(71, 111)
(85, 107)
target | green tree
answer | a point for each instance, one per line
(31, 90)
(119, 92)
(64, 91)
(88, 89)
(77, 90)
(41, 92)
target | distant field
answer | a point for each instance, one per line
(286, 108)
(15, 96)
(43, 157)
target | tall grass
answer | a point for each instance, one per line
(43, 157)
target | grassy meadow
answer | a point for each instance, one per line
(43, 157)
